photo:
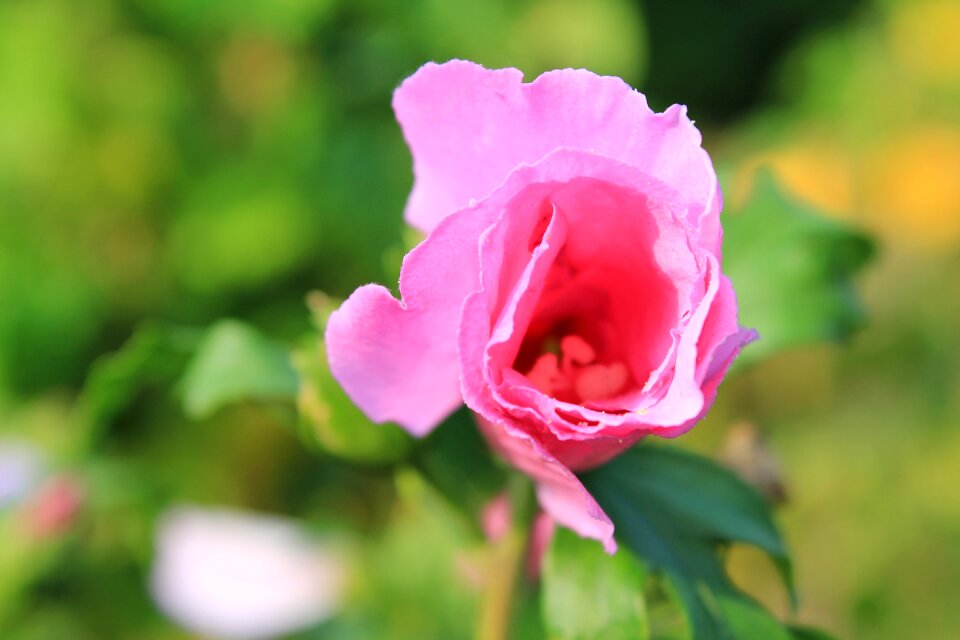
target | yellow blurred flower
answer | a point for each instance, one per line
(925, 38)
(814, 170)
(913, 186)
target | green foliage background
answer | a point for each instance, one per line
(166, 165)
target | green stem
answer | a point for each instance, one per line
(496, 612)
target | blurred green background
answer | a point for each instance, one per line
(167, 164)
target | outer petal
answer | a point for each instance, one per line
(397, 360)
(720, 340)
(721, 336)
(469, 127)
(559, 491)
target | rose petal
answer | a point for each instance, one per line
(397, 360)
(541, 535)
(505, 249)
(720, 341)
(680, 399)
(559, 491)
(469, 127)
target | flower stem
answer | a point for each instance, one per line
(507, 561)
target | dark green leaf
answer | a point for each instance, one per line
(457, 461)
(673, 509)
(590, 594)
(233, 363)
(706, 500)
(154, 355)
(809, 633)
(792, 270)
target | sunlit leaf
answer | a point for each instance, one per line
(674, 509)
(590, 594)
(234, 363)
(330, 420)
(792, 270)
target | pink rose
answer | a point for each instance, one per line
(569, 290)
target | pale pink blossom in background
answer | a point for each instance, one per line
(570, 288)
(541, 535)
(496, 517)
(46, 503)
(53, 509)
(238, 576)
(22, 467)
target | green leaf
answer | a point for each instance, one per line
(707, 500)
(155, 355)
(330, 421)
(458, 463)
(674, 509)
(792, 270)
(590, 594)
(234, 363)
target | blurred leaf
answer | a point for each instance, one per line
(27, 557)
(48, 622)
(590, 594)
(809, 633)
(792, 270)
(720, 71)
(415, 580)
(291, 19)
(234, 363)
(527, 622)
(154, 355)
(457, 461)
(330, 420)
(47, 334)
(241, 227)
(673, 509)
(606, 36)
(328, 417)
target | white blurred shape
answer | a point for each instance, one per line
(21, 468)
(239, 576)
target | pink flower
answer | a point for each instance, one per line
(569, 290)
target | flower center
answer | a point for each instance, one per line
(575, 376)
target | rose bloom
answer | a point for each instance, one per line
(569, 288)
